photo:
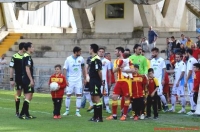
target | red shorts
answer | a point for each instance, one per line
(166, 89)
(121, 88)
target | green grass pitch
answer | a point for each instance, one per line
(42, 107)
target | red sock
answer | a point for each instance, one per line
(126, 105)
(125, 110)
(114, 110)
(122, 102)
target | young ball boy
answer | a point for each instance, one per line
(57, 96)
(152, 94)
(137, 93)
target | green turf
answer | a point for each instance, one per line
(41, 107)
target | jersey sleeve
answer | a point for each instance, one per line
(145, 66)
(64, 83)
(12, 62)
(98, 65)
(163, 64)
(156, 82)
(183, 68)
(82, 62)
(151, 64)
(190, 66)
(115, 64)
(109, 65)
(66, 64)
(27, 61)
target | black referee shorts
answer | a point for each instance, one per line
(95, 87)
(27, 87)
(18, 85)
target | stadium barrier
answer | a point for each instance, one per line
(41, 78)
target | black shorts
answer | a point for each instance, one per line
(27, 88)
(95, 87)
(18, 85)
(87, 87)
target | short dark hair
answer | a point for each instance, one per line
(58, 65)
(76, 49)
(197, 65)
(127, 49)
(172, 37)
(136, 66)
(120, 49)
(106, 54)
(180, 54)
(101, 48)
(189, 51)
(150, 70)
(27, 45)
(136, 46)
(95, 47)
(21, 45)
(155, 49)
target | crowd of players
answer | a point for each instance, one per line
(139, 82)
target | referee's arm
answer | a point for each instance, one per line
(100, 74)
(29, 75)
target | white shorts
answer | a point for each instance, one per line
(74, 87)
(160, 89)
(178, 90)
(104, 90)
(190, 88)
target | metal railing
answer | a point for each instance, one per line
(41, 77)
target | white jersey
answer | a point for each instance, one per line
(74, 68)
(179, 68)
(158, 65)
(105, 67)
(190, 63)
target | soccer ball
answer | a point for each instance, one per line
(53, 86)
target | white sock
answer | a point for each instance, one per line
(194, 104)
(77, 110)
(88, 97)
(78, 102)
(130, 106)
(67, 102)
(191, 102)
(173, 101)
(163, 99)
(183, 102)
(106, 101)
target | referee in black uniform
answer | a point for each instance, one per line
(16, 66)
(27, 79)
(95, 83)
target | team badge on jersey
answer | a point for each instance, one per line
(29, 62)
(11, 64)
(158, 61)
(79, 61)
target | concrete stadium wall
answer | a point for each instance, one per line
(54, 48)
(103, 25)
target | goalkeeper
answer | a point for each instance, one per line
(138, 59)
